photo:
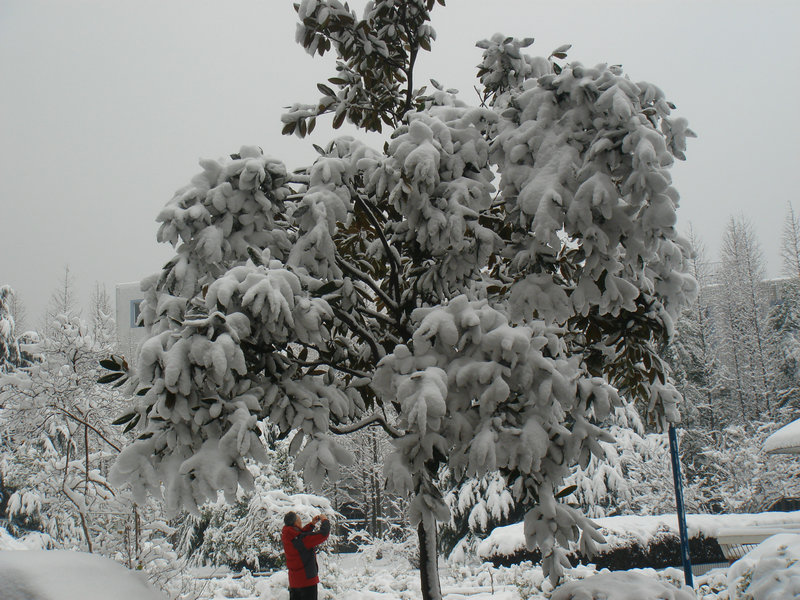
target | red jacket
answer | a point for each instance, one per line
(301, 556)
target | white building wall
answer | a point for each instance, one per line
(129, 334)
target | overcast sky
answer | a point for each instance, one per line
(107, 105)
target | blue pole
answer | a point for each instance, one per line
(677, 479)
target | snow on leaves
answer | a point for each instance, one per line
(491, 397)
(480, 328)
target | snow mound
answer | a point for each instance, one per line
(770, 571)
(64, 575)
(30, 541)
(621, 586)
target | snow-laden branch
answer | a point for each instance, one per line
(373, 419)
(83, 422)
(361, 276)
(377, 351)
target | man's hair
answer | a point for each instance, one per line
(290, 518)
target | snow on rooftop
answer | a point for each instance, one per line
(784, 441)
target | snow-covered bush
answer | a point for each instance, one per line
(247, 533)
(621, 586)
(743, 477)
(771, 571)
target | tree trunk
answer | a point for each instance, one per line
(428, 560)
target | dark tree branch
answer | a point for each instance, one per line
(83, 422)
(377, 351)
(361, 276)
(393, 265)
(373, 419)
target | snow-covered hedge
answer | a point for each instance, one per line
(638, 541)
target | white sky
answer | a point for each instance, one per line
(107, 105)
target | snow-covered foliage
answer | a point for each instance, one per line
(621, 586)
(57, 435)
(247, 533)
(771, 571)
(9, 348)
(484, 329)
(745, 479)
(623, 530)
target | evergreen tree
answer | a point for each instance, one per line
(790, 244)
(484, 331)
(694, 356)
(785, 316)
(10, 357)
(62, 302)
(747, 339)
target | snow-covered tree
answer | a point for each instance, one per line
(57, 434)
(247, 533)
(20, 312)
(62, 301)
(790, 244)
(747, 342)
(485, 329)
(694, 355)
(742, 476)
(9, 348)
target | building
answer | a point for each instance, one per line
(130, 332)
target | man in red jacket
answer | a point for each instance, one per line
(299, 545)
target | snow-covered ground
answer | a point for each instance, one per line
(769, 572)
(64, 575)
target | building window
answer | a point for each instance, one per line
(136, 311)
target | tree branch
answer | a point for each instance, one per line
(83, 422)
(361, 276)
(320, 363)
(394, 267)
(373, 419)
(377, 350)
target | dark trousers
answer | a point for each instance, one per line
(303, 593)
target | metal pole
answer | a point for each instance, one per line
(678, 480)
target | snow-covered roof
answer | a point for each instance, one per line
(784, 441)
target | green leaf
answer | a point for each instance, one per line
(288, 129)
(145, 436)
(142, 391)
(110, 377)
(124, 418)
(327, 288)
(132, 423)
(338, 120)
(326, 90)
(111, 365)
